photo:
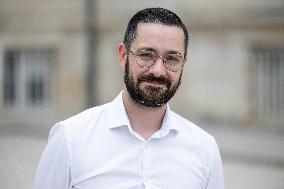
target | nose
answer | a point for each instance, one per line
(158, 69)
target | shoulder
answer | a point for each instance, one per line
(86, 116)
(196, 139)
(81, 122)
(192, 132)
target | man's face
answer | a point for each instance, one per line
(154, 86)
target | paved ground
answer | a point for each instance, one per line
(251, 159)
(18, 160)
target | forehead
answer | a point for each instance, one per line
(160, 37)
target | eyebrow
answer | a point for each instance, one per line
(174, 52)
(147, 49)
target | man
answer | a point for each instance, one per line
(136, 141)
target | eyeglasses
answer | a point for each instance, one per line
(146, 58)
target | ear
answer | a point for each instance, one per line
(122, 55)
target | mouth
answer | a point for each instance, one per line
(154, 83)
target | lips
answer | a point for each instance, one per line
(151, 79)
(154, 83)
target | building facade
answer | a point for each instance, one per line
(59, 57)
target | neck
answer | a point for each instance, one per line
(144, 121)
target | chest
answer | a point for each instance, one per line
(115, 163)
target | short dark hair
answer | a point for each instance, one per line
(153, 15)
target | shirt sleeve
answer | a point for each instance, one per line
(54, 167)
(216, 177)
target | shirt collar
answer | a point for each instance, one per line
(118, 117)
(169, 124)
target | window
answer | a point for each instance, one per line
(268, 67)
(27, 77)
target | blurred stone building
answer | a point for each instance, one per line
(58, 58)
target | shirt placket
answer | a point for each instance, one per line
(146, 164)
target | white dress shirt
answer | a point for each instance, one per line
(97, 149)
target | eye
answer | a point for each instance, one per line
(146, 55)
(173, 58)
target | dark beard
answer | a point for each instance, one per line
(151, 97)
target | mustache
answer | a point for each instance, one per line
(152, 78)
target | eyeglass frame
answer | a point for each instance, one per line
(164, 59)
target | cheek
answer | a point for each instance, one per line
(132, 73)
(136, 73)
(174, 77)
